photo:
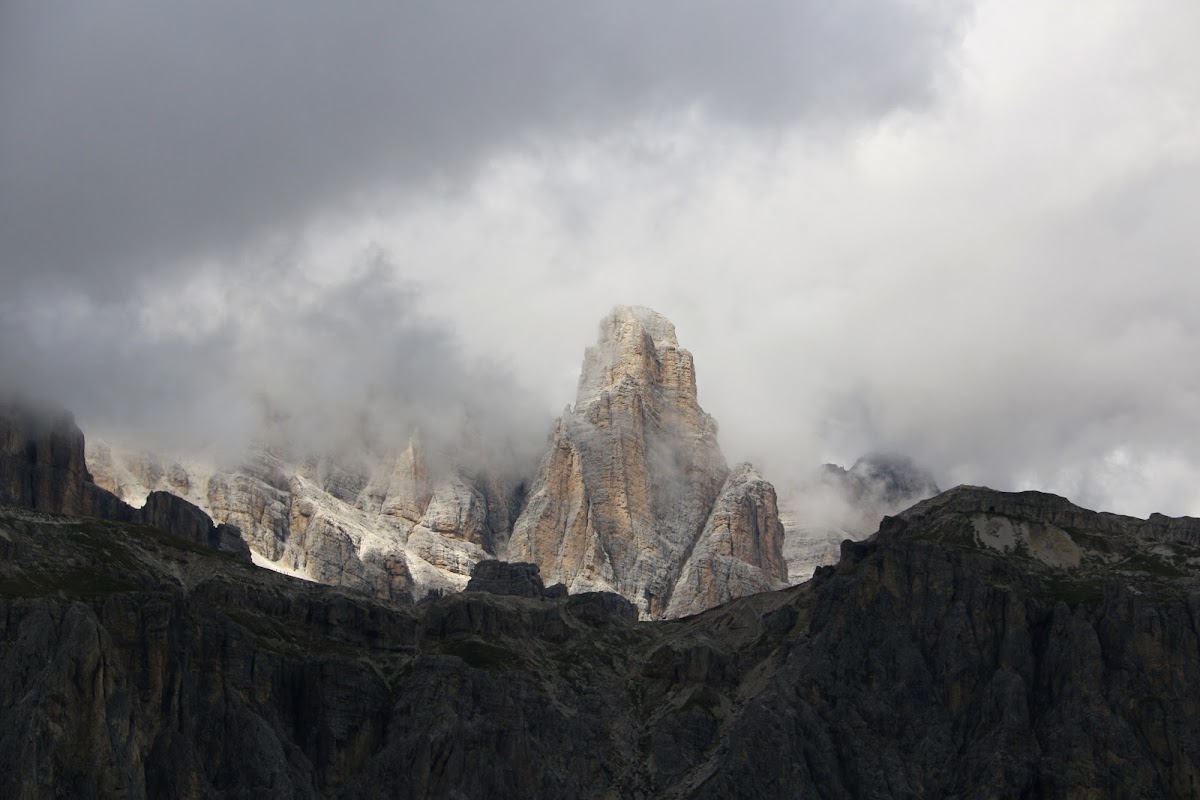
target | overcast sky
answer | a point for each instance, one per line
(962, 231)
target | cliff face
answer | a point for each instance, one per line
(42, 467)
(631, 477)
(169, 513)
(380, 524)
(740, 550)
(632, 494)
(980, 645)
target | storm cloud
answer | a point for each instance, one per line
(135, 134)
(962, 232)
(315, 369)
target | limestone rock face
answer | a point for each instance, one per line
(42, 467)
(126, 476)
(619, 504)
(556, 530)
(740, 551)
(631, 474)
(402, 488)
(459, 509)
(377, 524)
(167, 512)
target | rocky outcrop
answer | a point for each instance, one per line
(838, 504)
(631, 476)
(880, 479)
(740, 551)
(517, 579)
(128, 475)
(373, 523)
(402, 488)
(42, 467)
(1042, 527)
(619, 503)
(167, 512)
(940, 658)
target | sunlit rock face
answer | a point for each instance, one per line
(631, 477)
(378, 524)
(740, 550)
(401, 488)
(633, 496)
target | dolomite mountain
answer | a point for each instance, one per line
(634, 495)
(42, 468)
(376, 523)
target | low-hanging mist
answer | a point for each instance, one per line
(349, 370)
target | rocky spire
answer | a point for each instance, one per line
(740, 550)
(632, 475)
(403, 488)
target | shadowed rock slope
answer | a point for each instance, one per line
(979, 645)
(42, 467)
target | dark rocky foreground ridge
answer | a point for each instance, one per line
(981, 644)
(42, 467)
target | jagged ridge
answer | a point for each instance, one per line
(927, 663)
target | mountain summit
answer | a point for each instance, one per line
(634, 495)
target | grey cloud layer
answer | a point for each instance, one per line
(997, 278)
(352, 366)
(1002, 287)
(132, 134)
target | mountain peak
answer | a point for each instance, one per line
(632, 493)
(639, 345)
(660, 329)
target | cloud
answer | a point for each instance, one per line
(136, 135)
(961, 234)
(1000, 285)
(221, 361)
